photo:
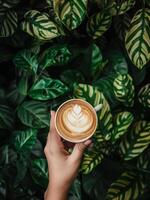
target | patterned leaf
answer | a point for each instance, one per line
(98, 24)
(39, 25)
(120, 7)
(6, 117)
(121, 25)
(9, 3)
(71, 13)
(138, 38)
(96, 61)
(136, 141)
(8, 22)
(144, 96)
(47, 88)
(26, 60)
(124, 89)
(90, 161)
(127, 187)
(122, 122)
(58, 55)
(39, 172)
(94, 97)
(24, 140)
(34, 114)
(143, 161)
(87, 93)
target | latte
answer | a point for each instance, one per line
(76, 120)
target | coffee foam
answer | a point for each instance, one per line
(76, 120)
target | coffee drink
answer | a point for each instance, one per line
(76, 120)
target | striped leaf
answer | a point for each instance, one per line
(96, 61)
(71, 13)
(122, 121)
(6, 117)
(120, 7)
(9, 3)
(136, 141)
(98, 24)
(26, 60)
(127, 187)
(144, 96)
(121, 25)
(87, 93)
(24, 140)
(94, 97)
(47, 88)
(98, 137)
(138, 38)
(39, 25)
(39, 172)
(8, 22)
(143, 161)
(34, 114)
(90, 161)
(124, 89)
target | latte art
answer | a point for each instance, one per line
(76, 119)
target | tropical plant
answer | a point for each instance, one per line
(96, 50)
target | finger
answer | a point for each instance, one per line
(79, 149)
(53, 137)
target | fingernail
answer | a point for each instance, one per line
(88, 142)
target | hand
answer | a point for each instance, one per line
(62, 166)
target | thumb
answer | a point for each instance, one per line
(79, 148)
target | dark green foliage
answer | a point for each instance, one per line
(96, 50)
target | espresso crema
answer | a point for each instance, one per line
(76, 120)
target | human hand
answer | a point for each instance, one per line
(62, 166)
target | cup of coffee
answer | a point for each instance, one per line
(76, 120)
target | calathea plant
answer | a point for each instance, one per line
(96, 50)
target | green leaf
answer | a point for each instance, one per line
(9, 3)
(138, 38)
(47, 88)
(98, 24)
(143, 161)
(24, 140)
(57, 55)
(122, 122)
(39, 25)
(71, 76)
(8, 22)
(75, 190)
(124, 89)
(39, 172)
(26, 60)
(6, 117)
(87, 93)
(127, 187)
(96, 61)
(71, 13)
(120, 7)
(94, 97)
(136, 141)
(121, 25)
(144, 96)
(14, 97)
(34, 114)
(90, 161)
(23, 85)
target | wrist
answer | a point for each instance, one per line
(57, 191)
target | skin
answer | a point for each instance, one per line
(62, 166)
